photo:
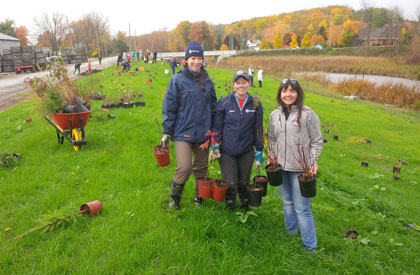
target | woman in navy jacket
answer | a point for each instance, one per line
(187, 112)
(238, 124)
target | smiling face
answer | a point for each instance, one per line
(194, 63)
(289, 95)
(241, 86)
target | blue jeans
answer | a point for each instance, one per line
(297, 210)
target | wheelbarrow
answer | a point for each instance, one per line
(70, 126)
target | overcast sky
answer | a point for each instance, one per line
(147, 16)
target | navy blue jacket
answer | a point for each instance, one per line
(188, 111)
(238, 129)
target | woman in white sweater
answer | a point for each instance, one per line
(292, 126)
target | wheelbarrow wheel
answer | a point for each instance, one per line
(76, 135)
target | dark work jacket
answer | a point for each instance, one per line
(239, 130)
(188, 111)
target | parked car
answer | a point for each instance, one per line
(319, 47)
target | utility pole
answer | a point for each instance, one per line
(329, 45)
(129, 34)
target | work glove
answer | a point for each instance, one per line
(214, 152)
(259, 159)
(165, 140)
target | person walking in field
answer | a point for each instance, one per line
(295, 130)
(251, 75)
(173, 64)
(238, 122)
(260, 76)
(187, 113)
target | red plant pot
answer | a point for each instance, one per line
(91, 208)
(205, 187)
(162, 155)
(220, 188)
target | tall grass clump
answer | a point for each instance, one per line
(396, 94)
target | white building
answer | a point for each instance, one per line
(253, 44)
(8, 41)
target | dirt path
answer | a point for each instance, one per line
(12, 89)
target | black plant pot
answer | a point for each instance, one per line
(142, 103)
(255, 195)
(325, 140)
(137, 104)
(307, 187)
(364, 164)
(274, 177)
(335, 137)
(263, 181)
(396, 177)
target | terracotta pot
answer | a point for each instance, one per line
(161, 155)
(220, 188)
(91, 208)
(205, 187)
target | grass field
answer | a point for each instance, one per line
(136, 234)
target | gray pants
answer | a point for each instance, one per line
(237, 171)
(190, 158)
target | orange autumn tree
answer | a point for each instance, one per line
(21, 33)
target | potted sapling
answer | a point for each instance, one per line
(273, 169)
(307, 180)
(161, 151)
(335, 132)
(260, 179)
(205, 183)
(365, 163)
(64, 217)
(220, 186)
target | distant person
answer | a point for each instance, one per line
(126, 66)
(77, 68)
(173, 64)
(260, 76)
(89, 66)
(133, 54)
(128, 58)
(138, 55)
(146, 57)
(124, 56)
(119, 59)
(251, 75)
(100, 59)
(205, 64)
(154, 57)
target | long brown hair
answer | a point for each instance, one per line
(202, 75)
(299, 101)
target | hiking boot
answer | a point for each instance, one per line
(230, 205)
(174, 204)
(198, 201)
(243, 204)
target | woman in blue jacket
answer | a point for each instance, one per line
(238, 123)
(187, 112)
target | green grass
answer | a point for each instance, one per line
(136, 234)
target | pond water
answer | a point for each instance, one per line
(379, 79)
